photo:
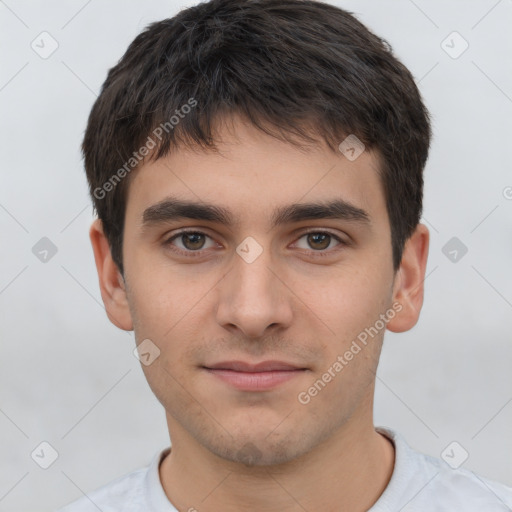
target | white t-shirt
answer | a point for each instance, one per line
(419, 483)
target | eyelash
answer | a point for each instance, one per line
(189, 253)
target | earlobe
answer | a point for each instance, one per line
(112, 285)
(408, 288)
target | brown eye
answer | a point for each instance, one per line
(319, 241)
(190, 241)
(193, 241)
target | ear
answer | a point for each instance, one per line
(408, 285)
(112, 284)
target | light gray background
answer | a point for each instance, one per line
(69, 377)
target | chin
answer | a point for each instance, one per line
(260, 449)
(254, 454)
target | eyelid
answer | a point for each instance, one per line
(339, 237)
(328, 252)
(167, 241)
(341, 241)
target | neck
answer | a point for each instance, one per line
(347, 472)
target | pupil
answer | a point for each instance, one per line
(323, 236)
(195, 236)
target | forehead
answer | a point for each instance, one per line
(256, 176)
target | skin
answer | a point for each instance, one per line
(260, 451)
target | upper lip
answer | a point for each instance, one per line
(264, 366)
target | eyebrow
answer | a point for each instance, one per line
(172, 208)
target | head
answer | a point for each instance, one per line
(238, 121)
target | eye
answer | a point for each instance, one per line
(319, 241)
(192, 241)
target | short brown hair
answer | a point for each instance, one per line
(285, 64)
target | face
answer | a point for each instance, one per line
(295, 291)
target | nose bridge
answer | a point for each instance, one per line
(251, 297)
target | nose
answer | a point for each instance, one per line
(253, 297)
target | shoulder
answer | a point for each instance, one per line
(463, 488)
(421, 482)
(127, 489)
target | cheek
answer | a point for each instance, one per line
(165, 299)
(347, 302)
(351, 305)
(166, 382)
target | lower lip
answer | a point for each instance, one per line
(255, 381)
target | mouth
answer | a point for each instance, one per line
(262, 376)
